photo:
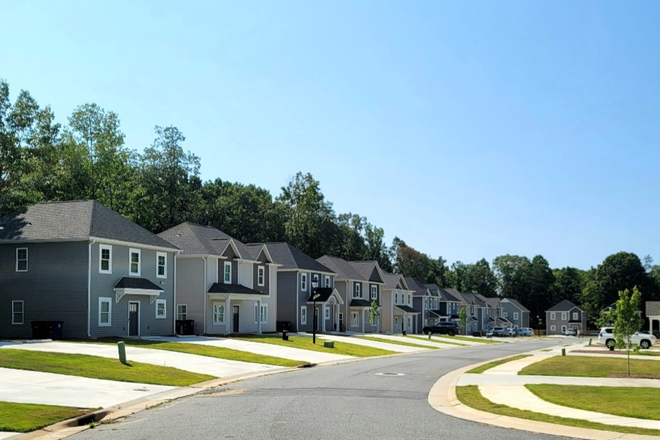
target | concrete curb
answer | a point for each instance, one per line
(442, 398)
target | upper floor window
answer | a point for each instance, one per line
(105, 258)
(21, 260)
(410, 300)
(303, 282)
(261, 276)
(396, 298)
(553, 316)
(227, 274)
(358, 290)
(515, 315)
(564, 316)
(327, 281)
(134, 259)
(161, 265)
(575, 316)
(426, 302)
(374, 292)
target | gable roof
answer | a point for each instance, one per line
(74, 221)
(450, 294)
(491, 301)
(369, 270)
(416, 287)
(516, 304)
(290, 257)
(472, 299)
(393, 280)
(563, 306)
(196, 239)
(343, 269)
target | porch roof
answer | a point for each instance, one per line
(233, 289)
(324, 294)
(136, 286)
(407, 309)
(359, 303)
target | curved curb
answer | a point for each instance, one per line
(442, 398)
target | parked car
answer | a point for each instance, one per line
(498, 331)
(512, 332)
(606, 337)
(525, 331)
(570, 332)
(442, 328)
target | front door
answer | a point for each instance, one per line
(235, 319)
(341, 322)
(133, 319)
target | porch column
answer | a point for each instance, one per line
(259, 316)
(323, 317)
(363, 321)
(228, 314)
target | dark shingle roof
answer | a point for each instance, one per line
(136, 283)
(290, 257)
(394, 279)
(563, 306)
(74, 221)
(450, 294)
(343, 269)
(196, 239)
(369, 270)
(417, 288)
(472, 298)
(324, 293)
(516, 304)
(233, 288)
(360, 303)
(406, 309)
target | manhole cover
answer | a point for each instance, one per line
(390, 374)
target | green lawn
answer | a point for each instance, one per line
(584, 366)
(305, 343)
(468, 339)
(26, 417)
(446, 340)
(626, 402)
(488, 366)
(97, 368)
(470, 396)
(395, 342)
(205, 350)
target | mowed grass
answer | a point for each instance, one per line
(584, 366)
(95, 367)
(395, 342)
(305, 343)
(488, 366)
(625, 402)
(468, 339)
(206, 350)
(26, 417)
(440, 339)
(472, 397)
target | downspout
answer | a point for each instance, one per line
(204, 295)
(174, 306)
(89, 289)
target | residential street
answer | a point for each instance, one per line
(350, 400)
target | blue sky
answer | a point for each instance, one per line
(468, 129)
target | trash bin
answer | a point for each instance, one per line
(47, 329)
(280, 326)
(285, 335)
(185, 326)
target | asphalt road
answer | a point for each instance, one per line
(354, 400)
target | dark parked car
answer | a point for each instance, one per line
(442, 328)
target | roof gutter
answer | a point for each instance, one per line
(89, 288)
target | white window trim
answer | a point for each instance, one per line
(327, 281)
(164, 255)
(303, 315)
(264, 313)
(101, 249)
(576, 316)
(108, 300)
(178, 313)
(564, 316)
(563, 328)
(164, 303)
(553, 316)
(130, 261)
(355, 319)
(224, 312)
(374, 292)
(303, 282)
(357, 290)
(13, 312)
(26, 259)
(326, 312)
(515, 315)
(553, 328)
(261, 274)
(255, 313)
(226, 280)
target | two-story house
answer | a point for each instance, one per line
(223, 285)
(427, 304)
(494, 313)
(297, 275)
(87, 266)
(450, 304)
(358, 283)
(476, 312)
(515, 312)
(563, 316)
(398, 315)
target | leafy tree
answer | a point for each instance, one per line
(462, 319)
(375, 247)
(512, 272)
(540, 281)
(568, 284)
(374, 312)
(627, 320)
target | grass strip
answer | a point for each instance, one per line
(618, 401)
(488, 366)
(96, 367)
(468, 339)
(440, 340)
(585, 366)
(395, 342)
(206, 350)
(26, 417)
(305, 343)
(471, 396)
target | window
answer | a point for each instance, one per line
(515, 315)
(105, 312)
(355, 319)
(374, 292)
(21, 260)
(134, 259)
(181, 312)
(105, 258)
(218, 314)
(161, 308)
(410, 300)
(161, 265)
(553, 328)
(264, 314)
(471, 310)
(303, 282)
(256, 313)
(227, 276)
(261, 276)
(327, 281)
(506, 314)
(426, 302)
(564, 316)
(553, 316)
(576, 316)
(563, 329)
(17, 312)
(326, 312)
(358, 291)
(303, 315)
(396, 298)
(409, 322)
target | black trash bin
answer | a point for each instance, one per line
(280, 326)
(47, 329)
(185, 326)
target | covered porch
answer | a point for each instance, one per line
(359, 317)
(405, 319)
(325, 303)
(234, 308)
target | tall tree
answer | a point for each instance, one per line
(512, 273)
(568, 284)
(540, 281)
(375, 247)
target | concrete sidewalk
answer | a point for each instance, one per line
(441, 338)
(357, 340)
(418, 341)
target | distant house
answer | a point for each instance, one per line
(653, 314)
(515, 312)
(223, 285)
(563, 316)
(86, 265)
(477, 319)
(296, 274)
(397, 315)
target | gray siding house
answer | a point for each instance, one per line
(515, 312)
(86, 265)
(398, 314)
(297, 275)
(223, 285)
(563, 316)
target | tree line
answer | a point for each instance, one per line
(87, 158)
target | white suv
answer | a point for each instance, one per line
(606, 337)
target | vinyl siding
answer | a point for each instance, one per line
(191, 288)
